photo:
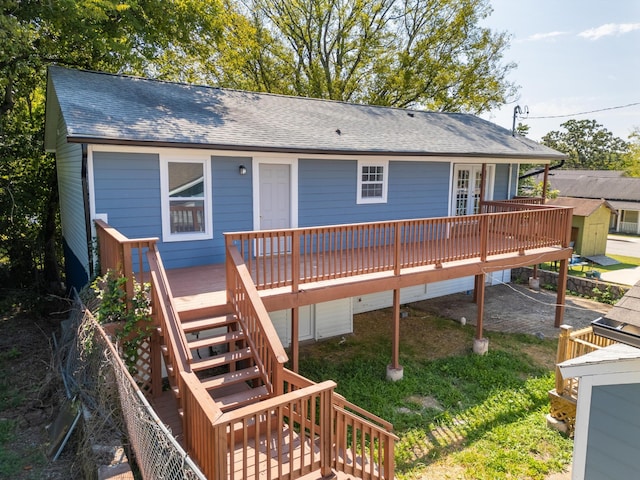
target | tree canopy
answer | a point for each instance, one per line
(430, 54)
(589, 146)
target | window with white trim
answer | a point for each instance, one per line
(372, 182)
(186, 199)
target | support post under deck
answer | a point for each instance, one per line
(562, 291)
(480, 344)
(394, 370)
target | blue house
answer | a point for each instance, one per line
(300, 212)
(187, 163)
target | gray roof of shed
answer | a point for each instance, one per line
(117, 109)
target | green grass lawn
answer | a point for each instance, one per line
(625, 262)
(457, 414)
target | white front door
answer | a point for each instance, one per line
(274, 203)
(467, 181)
(275, 196)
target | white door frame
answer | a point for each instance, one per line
(489, 182)
(293, 187)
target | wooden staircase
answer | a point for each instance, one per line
(222, 358)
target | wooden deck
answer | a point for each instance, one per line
(205, 285)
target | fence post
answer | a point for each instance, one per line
(563, 348)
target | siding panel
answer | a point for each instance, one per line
(501, 182)
(327, 192)
(72, 212)
(614, 432)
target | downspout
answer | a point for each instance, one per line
(87, 210)
(531, 174)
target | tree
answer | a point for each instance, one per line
(109, 35)
(632, 159)
(589, 146)
(414, 53)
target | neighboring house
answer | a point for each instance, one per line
(607, 428)
(591, 218)
(623, 193)
(186, 163)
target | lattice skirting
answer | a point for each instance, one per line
(564, 410)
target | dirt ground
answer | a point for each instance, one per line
(32, 391)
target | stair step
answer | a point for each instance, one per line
(208, 323)
(176, 391)
(221, 360)
(240, 399)
(231, 378)
(186, 313)
(216, 340)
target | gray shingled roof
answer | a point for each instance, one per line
(627, 309)
(105, 108)
(610, 185)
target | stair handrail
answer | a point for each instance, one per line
(262, 337)
(170, 320)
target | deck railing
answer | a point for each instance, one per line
(290, 257)
(120, 254)
(572, 344)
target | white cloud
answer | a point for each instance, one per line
(545, 36)
(609, 29)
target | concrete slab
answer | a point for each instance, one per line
(628, 276)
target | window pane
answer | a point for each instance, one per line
(186, 180)
(187, 216)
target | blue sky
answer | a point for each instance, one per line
(573, 56)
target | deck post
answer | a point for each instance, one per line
(395, 371)
(545, 183)
(480, 344)
(483, 185)
(295, 340)
(562, 291)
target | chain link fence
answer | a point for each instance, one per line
(113, 405)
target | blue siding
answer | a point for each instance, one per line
(127, 189)
(327, 192)
(501, 182)
(72, 209)
(614, 432)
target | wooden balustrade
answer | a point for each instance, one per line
(256, 323)
(119, 253)
(278, 258)
(572, 344)
(284, 437)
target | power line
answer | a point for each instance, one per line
(584, 113)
